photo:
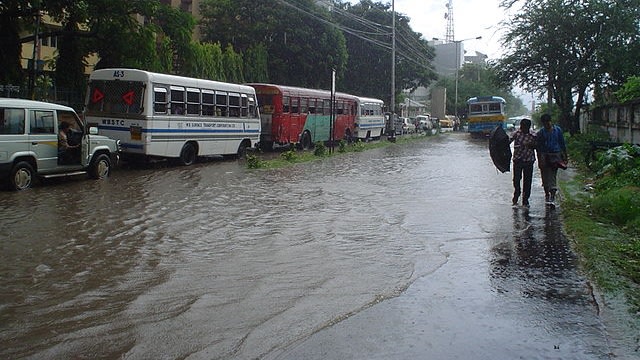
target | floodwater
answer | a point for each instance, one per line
(217, 261)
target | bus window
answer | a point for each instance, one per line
(252, 107)
(234, 105)
(285, 104)
(304, 105)
(160, 100)
(326, 104)
(494, 107)
(312, 106)
(475, 108)
(208, 103)
(339, 107)
(295, 105)
(244, 106)
(177, 100)
(265, 102)
(221, 103)
(193, 101)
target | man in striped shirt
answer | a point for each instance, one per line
(524, 144)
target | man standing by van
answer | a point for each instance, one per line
(65, 151)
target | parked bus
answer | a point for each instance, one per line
(293, 115)
(485, 113)
(166, 116)
(370, 120)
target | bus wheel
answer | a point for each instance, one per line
(242, 150)
(100, 168)
(188, 154)
(306, 141)
(22, 176)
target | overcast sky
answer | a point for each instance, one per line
(471, 18)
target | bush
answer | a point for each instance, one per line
(253, 162)
(342, 146)
(619, 205)
(320, 149)
(289, 155)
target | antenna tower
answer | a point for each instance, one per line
(450, 37)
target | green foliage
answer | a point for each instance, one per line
(606, 224)
(320, 149)
(359, 146)
(297, 47)
(232, 65)
(205, 62)
(254, 162)
(289, 155)
(630, 90)
(478, 80)
(618, 205)
(256, 64)
(368, 71)
(546, 53)
(342, 146)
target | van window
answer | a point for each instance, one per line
(42, 122)
(11, 121)
(69, 117)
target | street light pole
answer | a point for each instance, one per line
(458, 43)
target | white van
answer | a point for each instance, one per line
(29, 146)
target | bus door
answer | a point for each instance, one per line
(296, 120)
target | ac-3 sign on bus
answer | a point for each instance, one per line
(167, 116)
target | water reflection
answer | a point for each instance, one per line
(536, 259)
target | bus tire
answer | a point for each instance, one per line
(242, 150)
(100, 167)
(305, 142)
(22, 176)
(188, 154)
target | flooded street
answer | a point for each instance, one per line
(217, 261)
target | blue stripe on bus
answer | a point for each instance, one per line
(190, 130)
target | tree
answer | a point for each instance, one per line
(369, 44)
(547, 53)
(478, 80)
(301, 48)
(15, 15)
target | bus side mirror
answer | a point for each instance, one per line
(93, 130)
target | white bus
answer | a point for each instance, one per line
(370, 122)
(166, 116)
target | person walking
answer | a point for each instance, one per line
(552, 154)
(524, 143)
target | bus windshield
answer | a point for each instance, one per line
(115, 97)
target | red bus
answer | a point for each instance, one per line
(292, 115)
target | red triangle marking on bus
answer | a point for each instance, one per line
(97, 95)
(128, 97)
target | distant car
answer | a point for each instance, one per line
(448, 121)
(424, 122)
(407, 126)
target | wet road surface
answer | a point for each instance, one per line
(409, 251)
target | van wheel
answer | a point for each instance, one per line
(188, 154)
(101, 167)
(22, 176)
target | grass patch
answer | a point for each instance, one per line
(320, 151)
(604, 222)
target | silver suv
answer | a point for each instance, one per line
(39, 139)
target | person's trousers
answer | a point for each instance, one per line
(522, 172)
(549, 175)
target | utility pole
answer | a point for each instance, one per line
(393, 59)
